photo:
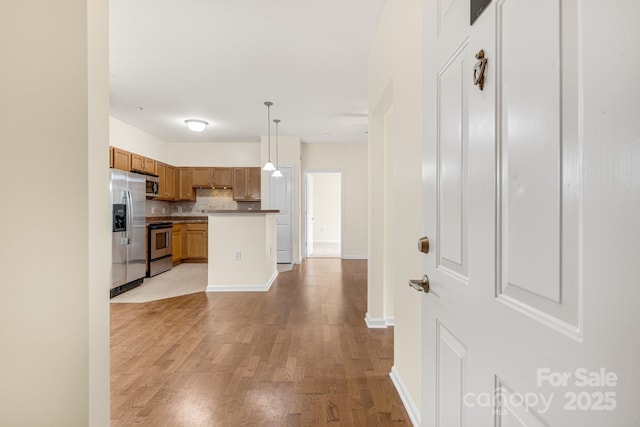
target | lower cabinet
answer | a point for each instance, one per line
(197, 242)
(190, 242)
(178, 244)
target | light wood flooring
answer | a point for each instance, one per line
(298, 355)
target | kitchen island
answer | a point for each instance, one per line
(242, 250)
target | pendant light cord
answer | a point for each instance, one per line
(269, 104)
(268, 166)
(277, 121)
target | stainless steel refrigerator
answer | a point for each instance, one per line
(128, 222)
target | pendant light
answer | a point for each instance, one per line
(268, 166)
(277, 173)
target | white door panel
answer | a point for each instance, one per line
(452, 166)
(451, 378)
(281, 196)
(510, 308)
(539, 210)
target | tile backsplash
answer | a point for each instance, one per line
(206, 199)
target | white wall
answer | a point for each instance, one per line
(327, 206)
(54, 255)
(130, 138)
(236, 154)
(254, 237)
(351, 160)
(395, 84)
(99, 247)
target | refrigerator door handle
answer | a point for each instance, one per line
(130, 217)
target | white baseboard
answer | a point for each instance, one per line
(407, 401)
(298, 261)
(244, 288)
(354, 257)
(378, 322)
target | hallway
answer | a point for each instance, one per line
(298, 355)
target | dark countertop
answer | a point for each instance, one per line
(204, 218)
(253, 211)
(177, 219)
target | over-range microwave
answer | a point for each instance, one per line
(152, 186)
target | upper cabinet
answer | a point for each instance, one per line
(255, 191)
(185, 190)
(121, 159)
(137, 162)
(142, 164)
(207, 177)
(179, 183)
(170, 182)
(161, 171)
(202, 177)
(246, 184)
(222, 177)
(166, 181)
(149, 166)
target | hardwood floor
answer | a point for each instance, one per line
(298, 355)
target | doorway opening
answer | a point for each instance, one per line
(323, 214)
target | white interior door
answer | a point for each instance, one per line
(517, 332)
(309, 214)
(281, 198)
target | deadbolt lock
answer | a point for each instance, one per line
(423, 245)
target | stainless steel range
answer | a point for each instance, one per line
(159, 257)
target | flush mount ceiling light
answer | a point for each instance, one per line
(269, 166)
(196, 125)
(277, 173)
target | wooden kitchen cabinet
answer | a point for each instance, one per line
(149, 166)
(246, 184)
(202, 177)
(197, 242)
(110, 157)
(222, 177)
(161, 171)
(137, 162)
(255, 177)
(179, 243)
(214, 177)
(166, 181)
(142, 164)
(170, 182)
(121, 159)
(185, 190)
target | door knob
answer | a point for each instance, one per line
(423, 245)
(420, 285)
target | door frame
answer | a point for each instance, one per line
(305, 198)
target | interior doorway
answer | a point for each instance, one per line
(323, 214)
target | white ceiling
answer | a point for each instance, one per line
(219, 60)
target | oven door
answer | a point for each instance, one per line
(160, 242)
